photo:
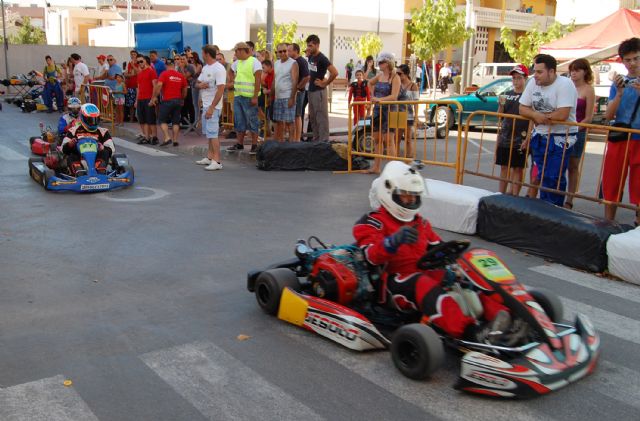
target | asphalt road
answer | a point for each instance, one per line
(138, 298)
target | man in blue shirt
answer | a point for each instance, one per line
(158, 64)
(114, 69)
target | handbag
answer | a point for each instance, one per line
(615, 136)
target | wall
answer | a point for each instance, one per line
(24, 58)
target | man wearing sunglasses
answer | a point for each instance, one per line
(114, 69)
(146, 113)
(286, 81)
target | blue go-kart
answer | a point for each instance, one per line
(86, 178)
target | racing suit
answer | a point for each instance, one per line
(106, 147)
(410, 287)
(64, 124)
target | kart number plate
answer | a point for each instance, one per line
(88, 147)
(94, 187)
(492, 268)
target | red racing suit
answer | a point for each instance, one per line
(410, 287)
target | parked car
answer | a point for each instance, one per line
(484, 73)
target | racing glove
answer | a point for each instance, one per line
(405, 235)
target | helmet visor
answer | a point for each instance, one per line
(91, 122)
(407, 199)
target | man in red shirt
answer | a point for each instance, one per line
(173, 86)
(146, 112)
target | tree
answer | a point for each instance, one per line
(28, 34)
(525, 47)
(282, 32)
(369, 44)
(435, 27)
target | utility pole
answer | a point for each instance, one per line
(332, 19)
(467, 48)
(129, 23)
(378, 29)
(6, 43)
(269, 25)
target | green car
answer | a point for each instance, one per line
(484, 99)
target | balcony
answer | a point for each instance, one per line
(492, 18)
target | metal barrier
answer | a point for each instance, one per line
(102, 97)
(479, 168)
(382, 137)
(226, 116)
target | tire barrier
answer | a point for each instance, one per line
(300, 156)
(624, 259)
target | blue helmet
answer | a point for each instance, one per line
(90, 117)
(74, 105)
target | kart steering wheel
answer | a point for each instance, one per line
(438, 255)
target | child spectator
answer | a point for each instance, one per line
(265, 99)
(359, 91)
(118, 98)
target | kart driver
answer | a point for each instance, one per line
(395, 236)
(88, 127)
(67, 119)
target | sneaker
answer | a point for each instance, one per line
(143, 141)
(204, 161)
(214, 166)
(154, 141)
(235, 148)
(254, 150)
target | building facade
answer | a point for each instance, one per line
(586, 12)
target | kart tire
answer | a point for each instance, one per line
(549, 302)
(48, 174)
(269, 287)
(417, 351)
(32, 168)
(442, 127)
(363, 141)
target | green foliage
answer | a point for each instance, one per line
(28, 34)
(369, 44)
(282, 32)
(525, 47)
(435, 27)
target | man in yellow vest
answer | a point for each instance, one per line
(244, 76)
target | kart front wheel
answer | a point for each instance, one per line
(549, 302)
(269, 287)
(417, 351)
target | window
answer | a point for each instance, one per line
(504, 70)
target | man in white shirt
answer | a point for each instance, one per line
(211, 83)
(80, 73)
(285, 87)
(551, 97)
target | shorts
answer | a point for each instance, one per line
(211, 126)
(130, 97)
(146, 113)
(281, 111)
(118, 100)
(518, 157)
(245, 115)
(300, 97)
(615, 170)
(578, 147)
(170, 111)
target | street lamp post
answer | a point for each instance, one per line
(332, 19)
(5, 42)
(269, 25)
(467, 48)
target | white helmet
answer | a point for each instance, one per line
(397, 179)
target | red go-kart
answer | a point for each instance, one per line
(333, 292)
(48, 141)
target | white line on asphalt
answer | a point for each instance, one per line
(11, 155)
(155, 195)
(221, 387)
(435, 395)
(617, 382)
(485, 150)
(587, 280)
(139, 148)
(603, 320)
(45, 399)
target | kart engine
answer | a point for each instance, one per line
(334, 277)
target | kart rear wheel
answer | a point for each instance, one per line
(417, 351)
(549, 302)
(269, 287)
(48, 174)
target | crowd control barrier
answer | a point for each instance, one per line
(102, 97)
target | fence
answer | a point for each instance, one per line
(603, 195)
(226, 117)
(394, 123)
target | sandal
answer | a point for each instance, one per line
(176, 144)
(568, 205)
(166, 143)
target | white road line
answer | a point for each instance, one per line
(11, 155)
(221, 387)
(617, 382)
(435, 396)
(603, 320)
(139, 148)
(485, 150)
(46, 399)
(616, 288)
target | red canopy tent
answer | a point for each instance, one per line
(600, 39)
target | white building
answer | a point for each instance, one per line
(586, 12)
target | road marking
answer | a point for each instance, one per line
(435, 395)
(603, 320)
(139, 148)
(155, 195)
(46, 399)
(11, 155)
(221, 387)
(587, 280)
(617, 382)
(485, 150)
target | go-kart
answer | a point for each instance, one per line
(46, 142)
(335, 293)
(53, 173)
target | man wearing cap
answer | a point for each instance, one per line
(103, 68)
(319, 64)
(114, 69)
(244, 76)
(510, 155)
(550, 98)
